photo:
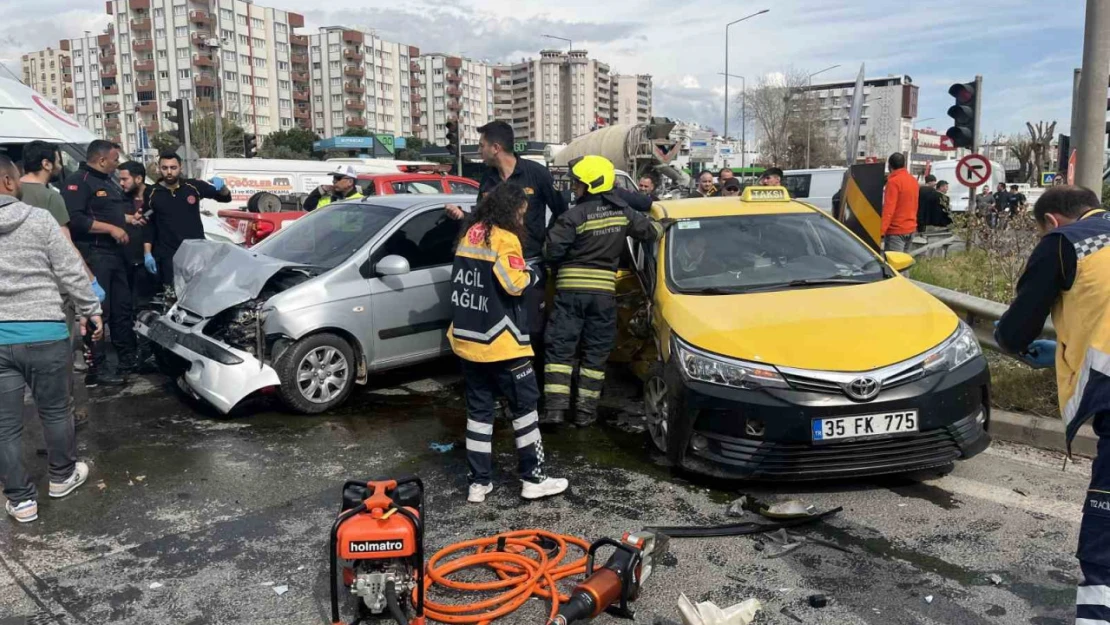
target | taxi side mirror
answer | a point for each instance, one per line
(900, 261)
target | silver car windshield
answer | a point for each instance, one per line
(765, 252)
(327, 236)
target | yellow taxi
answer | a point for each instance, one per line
(783, 347)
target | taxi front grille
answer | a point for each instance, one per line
(832, 383)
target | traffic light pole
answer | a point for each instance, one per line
(187, 113)
(1090, 137)
(975, 138)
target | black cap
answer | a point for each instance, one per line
(731, 183)
(772, 171)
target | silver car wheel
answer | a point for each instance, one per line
(657, 407)
(322, 374)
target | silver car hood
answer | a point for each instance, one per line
(211, 276)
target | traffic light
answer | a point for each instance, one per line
(250, 146)
(453, 137)
(179, 117)
(963, 114)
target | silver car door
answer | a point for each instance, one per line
(412, 310)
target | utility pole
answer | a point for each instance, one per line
(1090, 140)
(975, 138)
(187, 111)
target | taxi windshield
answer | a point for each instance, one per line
(327, 236)
(749, 253)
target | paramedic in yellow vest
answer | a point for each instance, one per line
(344, 187)
(489, 334)
(1068, 274)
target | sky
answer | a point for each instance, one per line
(1025, 50)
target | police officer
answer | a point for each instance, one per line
(344, 187)
(174, 206)
(99, 212)
(1068, 274)
(496, 149)
(488, 279)
(586, 244)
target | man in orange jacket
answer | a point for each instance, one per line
(899, 206)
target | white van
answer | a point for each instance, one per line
(957, 193)
(814, 186)
(26, 115)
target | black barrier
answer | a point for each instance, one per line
(861, 205)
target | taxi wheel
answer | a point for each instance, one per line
(657, 407)
(317, 373)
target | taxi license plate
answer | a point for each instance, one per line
(865, 425)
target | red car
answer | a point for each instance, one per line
(258, 226)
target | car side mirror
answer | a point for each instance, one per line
(900, 261)
(392, 265)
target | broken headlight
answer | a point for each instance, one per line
(238, 326)
(956, 350)
(705, 367)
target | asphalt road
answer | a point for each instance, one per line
(189, 518)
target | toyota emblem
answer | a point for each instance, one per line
(863, 389)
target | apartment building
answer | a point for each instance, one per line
(889, 107)
(631, 99)
(91, 99)
(49, 72)
(452, 88)
(554, 98)
(359, 81)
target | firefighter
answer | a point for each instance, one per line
(1068, 275)
(586, 244)
(344, 187)
(489, 333)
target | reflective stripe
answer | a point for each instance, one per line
(595, 285)
(561, 389)
(554, 368)
(526, 420)
(594, 375)
(1089, 621)
(528, 439)
(482, 447)
(598, 224)
(1093, 595)
(588, 394)
(478, 427)
(478, 252)
(505, 322)
(506, 281)
(587, 272)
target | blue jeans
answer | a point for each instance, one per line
(46, 368)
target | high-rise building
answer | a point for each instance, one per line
(555, 98)
(92, 100)
(49, 72)
(361, 82)
(889, 107)
(453, 89)
(631, 99)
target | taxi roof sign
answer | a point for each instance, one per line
(765, 194)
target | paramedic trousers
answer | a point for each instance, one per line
(111, 271)
(516, 381)
(578, 318)
(1092, 602)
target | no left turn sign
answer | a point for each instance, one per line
(973, 170)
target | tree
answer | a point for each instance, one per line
(1021, 148)
(295, 141)
(357, 132)
(164, 142)
(1041, 136)
(411, 151)
(773, 106)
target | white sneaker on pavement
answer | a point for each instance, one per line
(547, 488)
(478, 492)
(61, 489)
(24, 512)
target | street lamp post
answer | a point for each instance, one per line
(743, 116)
(809, 85)
(727, 26)
(570, 44)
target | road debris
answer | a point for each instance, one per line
(441, 447)
(281, 590)
(818, 601)
(788, 613)
(928, 598)
(1021, 492)
(995, 578)
(707, 612)
(266, 584)
(791, 509)
(155, 585)
(101, 485)
(739, 507)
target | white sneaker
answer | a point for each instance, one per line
(25, 512)
(61, 489)
(547, 488)
(478, 492)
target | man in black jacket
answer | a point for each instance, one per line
(585, 243)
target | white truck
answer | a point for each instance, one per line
(638, 149)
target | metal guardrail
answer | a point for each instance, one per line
(979, 313)
(941, 245)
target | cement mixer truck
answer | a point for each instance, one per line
(635, 149)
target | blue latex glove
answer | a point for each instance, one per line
(1041, 354)
(218, 183)
(151, 266)
(98, 290)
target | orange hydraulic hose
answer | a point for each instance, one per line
(519, 576)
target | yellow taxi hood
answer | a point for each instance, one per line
(834, 328)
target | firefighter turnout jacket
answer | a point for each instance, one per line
(586, 242)
(487, 280)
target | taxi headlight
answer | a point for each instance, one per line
(704, 367)
(955, 351)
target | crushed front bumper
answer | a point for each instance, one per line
(218, 373)
(712, 435)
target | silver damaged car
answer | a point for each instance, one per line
(346, 291)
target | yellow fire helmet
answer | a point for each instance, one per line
(596, 172)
